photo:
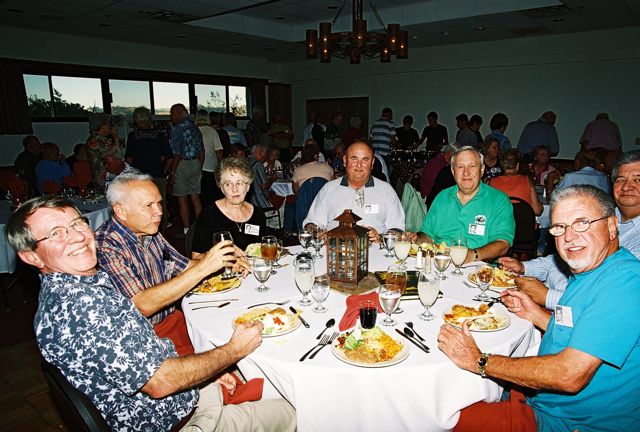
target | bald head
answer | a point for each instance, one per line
(549, 117)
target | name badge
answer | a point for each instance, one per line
(564, 316)
(371, 209)
(476, 229)
(169, 266)
(252, 229)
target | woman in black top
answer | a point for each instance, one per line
(232, 213)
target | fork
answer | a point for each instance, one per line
(269, 303)
(323, 341)
(212, 306)
(333, 337)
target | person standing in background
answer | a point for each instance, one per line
(435, 134)
(209, 192)
(282, 137)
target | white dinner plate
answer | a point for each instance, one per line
(288, 329)
(401, 356)
(472, 278)
(485, 325)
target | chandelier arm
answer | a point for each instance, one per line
(375, 12)
(338, 13)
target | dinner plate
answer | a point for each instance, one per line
(400, 357)
(472, 278)
(483, 325)
(202, 289)
(293, 325)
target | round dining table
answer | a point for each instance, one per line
(425, 392)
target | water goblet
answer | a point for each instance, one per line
(458, 253)
(484, 277)
(269, 250)
(389, 241)
(320, 292)
(442, 259)
(428, 289)
(305, 239)
(317, 241)
(262, 271)
(389, 299)
(217, 238)
(276, 264)
(305, 277)
(396, 279)
(402, 248)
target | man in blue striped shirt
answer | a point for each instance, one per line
(383, 133)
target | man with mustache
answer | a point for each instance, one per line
(587, 372)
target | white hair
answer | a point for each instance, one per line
(118, 187)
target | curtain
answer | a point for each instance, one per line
(14, 109)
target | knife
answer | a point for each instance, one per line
(412, 341)
(212, 306)
(304, 323)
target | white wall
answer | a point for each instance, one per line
(575, 75)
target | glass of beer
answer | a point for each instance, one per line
(269, 250)
(217, 238)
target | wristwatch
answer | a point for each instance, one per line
(476, 257)
(482, 364)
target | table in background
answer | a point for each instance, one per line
(424, 392)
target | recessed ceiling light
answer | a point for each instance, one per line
(181, 36)
(480, 28)
(414, 37)
(558, 19)
(332, 7)
(16, 10)
(445, 33)
(278, 18)
(104, 25)
(237, 44)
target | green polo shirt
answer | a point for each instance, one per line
(487, 217)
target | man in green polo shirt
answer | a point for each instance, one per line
(480, 214)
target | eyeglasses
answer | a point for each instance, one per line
(578, 226)
(237, 185)
(61, 234)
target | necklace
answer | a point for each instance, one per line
(239, 225)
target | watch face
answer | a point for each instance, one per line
(482, 362)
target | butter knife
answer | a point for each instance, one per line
(411, 340)
(212, 306)
(302, 320)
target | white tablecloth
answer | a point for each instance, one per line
(97, 213)
(425, 392)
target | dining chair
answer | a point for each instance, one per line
(525, 240)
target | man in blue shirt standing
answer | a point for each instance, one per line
(537, 133)
(587, 371)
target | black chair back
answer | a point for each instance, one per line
(76, 410)
(525, 240)
(306, 195)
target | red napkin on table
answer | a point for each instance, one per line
(353, 309)
(245, 392)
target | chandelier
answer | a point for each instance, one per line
(357, 43)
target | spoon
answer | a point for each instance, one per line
(329, 324)
(411, 334)
(410, 325)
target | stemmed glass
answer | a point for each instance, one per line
(305, 239)
(396, 279)
(389, 241)
(320, 292)
(428, 289)
(261, 271)
(402, 248)
(217, 238)
(389, 300)
(484, 277)
(318, 241)
(305, 277)
(458, 252)
(269, 250)
(276, 264)
(442, 260)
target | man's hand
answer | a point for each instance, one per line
(241, 265)
(374, 237)
(246, 338)
(521, 304)
(511, 264)
(413, 237)
(534, 287)
(227, 381)
(218, 256)
(459, 346)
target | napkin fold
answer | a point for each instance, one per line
(245, 392)
(353, 309)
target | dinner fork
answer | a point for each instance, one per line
(323, 341)
(212, 306)
(333, 337)
(270, 303)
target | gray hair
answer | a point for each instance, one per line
(464, 149)
(141, 116)
(232, 164)
(18, 231)
(118, 187)
(202, 117)
(355, 122)
(257, 146)
(604, 200)
(623, 159)
(453, 147)
(112, 152)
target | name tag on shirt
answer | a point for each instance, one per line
(252, 229)
(564, 316)
(371, 209)
(169, 266)
(476, 229)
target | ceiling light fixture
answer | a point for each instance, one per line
(357, 43)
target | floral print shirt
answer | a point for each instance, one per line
(107, 350)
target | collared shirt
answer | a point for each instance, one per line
(107, 350)
(186, 140)
(537, 133)
(376, 203)
(137, 263)
(587, 175)
(148, 148)
(259, 197)
(505, 143)
(51, 171)
(236, 136)
(602, 133)
(381, 132)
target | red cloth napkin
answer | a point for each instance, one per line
(245, 392)
(353, 309)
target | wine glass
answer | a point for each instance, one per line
(276, 264)
(305, 277)
(428, 289)
(458, 252)
(305, 239)
(269, 250)
(317, 241)
(396, 279)
(261, 270)
(442, 259)
(320, 292)
(402, 248)
(389, 241)
(484, 277)
(389, 299)
(217, 238)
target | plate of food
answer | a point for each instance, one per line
(502, 279)
(216, 284)
(484, 319)
(255, 250)
(369, 348)
(275, 319)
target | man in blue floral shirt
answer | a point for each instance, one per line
(108, 350)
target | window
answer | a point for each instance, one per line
(76, 97)
(238, 101)
(129, 95)
(38, 95)
(166, 94)
(211, 97)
